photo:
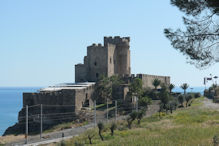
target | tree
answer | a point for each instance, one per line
(140, 115)
(200, 39)
(171, 87)
(188, 98)
(131, 118)
(104, 86)
(181, 99)
(184, 87)
(144, 102)
(90, 134)
(161, 108)
(112, 128)
(100, 127)
(156, 83)
(135, 87)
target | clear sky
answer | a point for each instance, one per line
(42, 40)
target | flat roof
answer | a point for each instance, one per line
(67, 86)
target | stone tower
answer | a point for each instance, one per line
(112, 58)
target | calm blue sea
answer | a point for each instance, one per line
(11, 103)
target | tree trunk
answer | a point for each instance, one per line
(100, 135)
(139, 121)
(112, 132)
(90, 139)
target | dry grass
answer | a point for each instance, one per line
(10, 138)
(189, 126)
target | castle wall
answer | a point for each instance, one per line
(80, 73)
(147, 80)
(110, 57)
(63, 97)
(97, 62)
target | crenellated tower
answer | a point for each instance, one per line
(112, 58)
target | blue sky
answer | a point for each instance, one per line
(42, 40)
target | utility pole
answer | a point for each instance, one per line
(26, 136)
(41, 120)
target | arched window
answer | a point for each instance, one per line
(110, 60)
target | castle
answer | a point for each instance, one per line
(111, 58)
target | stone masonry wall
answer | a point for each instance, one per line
(147, 80)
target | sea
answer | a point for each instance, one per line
(11, 103)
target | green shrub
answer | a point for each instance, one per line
(112, 128)
(100, 126)
(216, 140)
(197, 95)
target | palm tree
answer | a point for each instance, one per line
(156, 83)
(171, 87)
(184, 87)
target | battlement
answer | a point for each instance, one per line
(99, 45)
(116, 40)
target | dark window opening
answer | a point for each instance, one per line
(97, 75)
(95, 63)
(86, 102)
(110, 60)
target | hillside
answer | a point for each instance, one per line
(195, 125)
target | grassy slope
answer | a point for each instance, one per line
(191, 126)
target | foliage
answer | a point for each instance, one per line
(196, 95)
(144, 102)
(140, 115)
(100, 126)
(171, 87)
(184, 86)
(156, 83)
(135, 87)
(112, 128)
(90, 135)
(181, 99)
(104, 86)
(216, 140)
(132, 116)
(161, 108)
(164, 95)
(199, 42)
(188, 98)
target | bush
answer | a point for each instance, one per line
(90, 134)
(100, 127)
(216, 140)
(112, 128)
(181, 99)
(197, 95)
(140, 116)
(188, 98)
(131, 118)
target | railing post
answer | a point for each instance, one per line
(95, 116)
(116, 110)
(26, 136)
(41, 120)
(107, 112)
